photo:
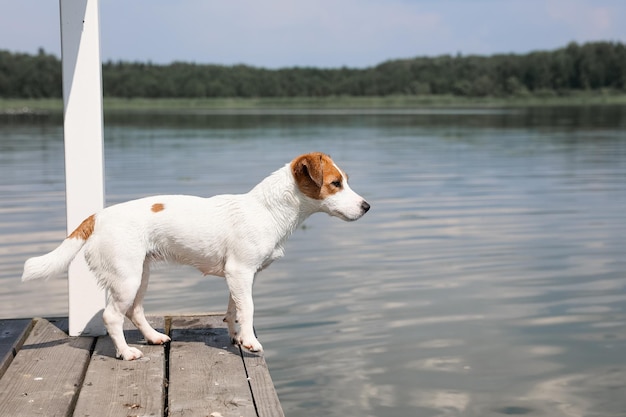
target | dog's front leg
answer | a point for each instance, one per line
(231, 320)
(240, 285)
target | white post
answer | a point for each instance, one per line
(84, 173)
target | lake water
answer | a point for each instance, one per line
(488, 279)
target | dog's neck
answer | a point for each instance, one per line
(282, 198)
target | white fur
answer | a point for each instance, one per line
(232, 236)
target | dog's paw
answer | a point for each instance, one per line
(251, 344)
(233, 331)
(158, 338)
(130, 354)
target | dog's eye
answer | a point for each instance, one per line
(336, 184)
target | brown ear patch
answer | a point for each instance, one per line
(85, 229)
(156, 207)
(314, 174)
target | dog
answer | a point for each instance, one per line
(231, 236)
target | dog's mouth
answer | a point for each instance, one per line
(364, 208)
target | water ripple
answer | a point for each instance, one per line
(488, 278)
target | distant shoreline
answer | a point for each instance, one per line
(183, 105)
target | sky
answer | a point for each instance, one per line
(319, 33)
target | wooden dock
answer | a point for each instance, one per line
(44, 372)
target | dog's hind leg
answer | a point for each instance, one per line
(136, 313)
(118, 268)
(121, 297)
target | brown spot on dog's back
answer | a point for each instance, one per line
(156, 207)
(85, 229)
(314, 174)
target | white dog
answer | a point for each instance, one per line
(232, 236)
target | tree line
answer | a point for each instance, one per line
(596, 66)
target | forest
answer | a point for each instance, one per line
(596, 66)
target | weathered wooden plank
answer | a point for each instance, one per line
(46, 373)
(113, 387)
(12, 336)
(206, 372)
(263, 391)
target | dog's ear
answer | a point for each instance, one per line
(308, 171)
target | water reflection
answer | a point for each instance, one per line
(488, 278)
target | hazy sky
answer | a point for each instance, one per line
(322, 33)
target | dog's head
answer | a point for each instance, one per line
(319, 179)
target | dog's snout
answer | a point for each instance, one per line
(365, 206)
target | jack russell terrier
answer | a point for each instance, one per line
(231, 236)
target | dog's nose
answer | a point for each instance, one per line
(364, 206)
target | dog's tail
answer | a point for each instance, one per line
(57, 261)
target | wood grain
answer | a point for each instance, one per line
(116, 388)
(47, 372)
(206, 371)
(200, 374)
(263, 391)
(12, 336)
